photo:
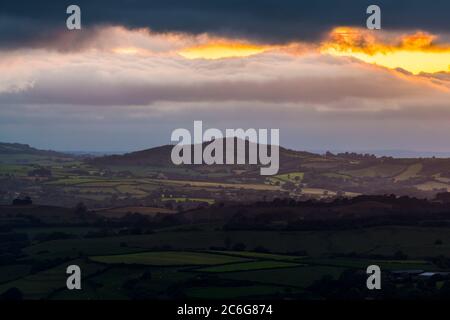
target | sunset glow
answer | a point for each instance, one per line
(222, 50)
(299, 74)
(126, 50)
(415, 53)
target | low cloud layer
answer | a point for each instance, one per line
(147, 70)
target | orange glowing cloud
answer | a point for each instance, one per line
(126, 50)
(223, 49)
(415, 53)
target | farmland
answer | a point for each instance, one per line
(319, 253)
(143, 179)
(167, 259)
(248, 266)
(142, 230)
(117, 267)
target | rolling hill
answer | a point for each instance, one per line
(350, 172)
(148, 177)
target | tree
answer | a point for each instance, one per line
(399, 255)
(147, 275)
(24, 201)
(12, 294)
(261, 249)
(288, 185)
(445, 290)
(80, 208)
(227, 243)
(239, 247)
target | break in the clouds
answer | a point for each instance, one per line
(141, 68)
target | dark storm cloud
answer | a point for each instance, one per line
(41, 23)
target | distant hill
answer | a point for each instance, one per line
(299, 173)
(395, 153)
(18, 148)
(351, 172)
(160, 156)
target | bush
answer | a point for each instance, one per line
(239, 247)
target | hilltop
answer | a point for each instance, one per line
(160, 156)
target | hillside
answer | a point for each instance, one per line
(348, 172)
(160, 156)
(149, 178)
(25, 149)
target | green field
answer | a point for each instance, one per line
(266, 269)
(259, 255)
(42, 284)
(255, 265)
(294, 177)
(411, 172)
(179, 199)
(111, 284)
(381, 170)
(432, 185)
(14, 169)
(74, 231)
(72, 248)
(171, 258)
(416, 242)
(300, 277)
(363, 263)
(220, 273)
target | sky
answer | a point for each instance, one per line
(139, 69)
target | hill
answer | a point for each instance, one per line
(149, 178)
(25, 149)
(350, 172)
(160, 156)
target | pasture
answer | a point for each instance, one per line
(169, 258)
(247, 266)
